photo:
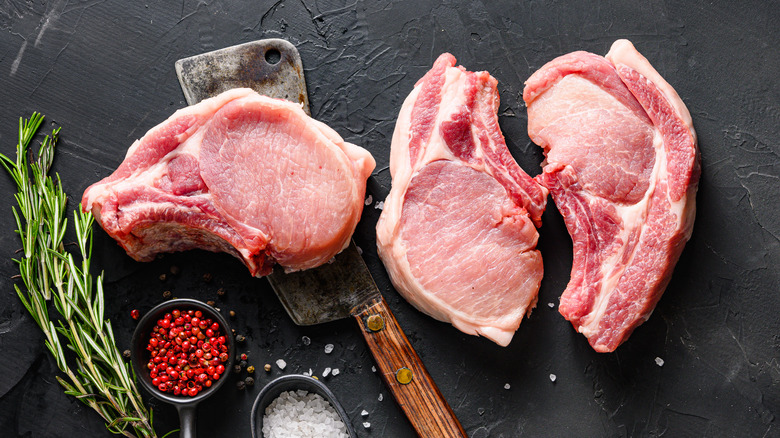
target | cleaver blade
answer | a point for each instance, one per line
(343, 287)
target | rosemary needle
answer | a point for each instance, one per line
(96, 374)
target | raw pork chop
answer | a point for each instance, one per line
(455, 232)
(622, 166)
(240, 173)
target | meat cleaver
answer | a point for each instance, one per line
(344, 287)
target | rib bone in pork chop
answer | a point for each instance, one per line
(456, 233)
(622, 167)
(240, 173)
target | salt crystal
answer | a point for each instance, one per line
(659, 361)
(298, 413)
(335, 372)
(308, 373)
(325, 372)
(306, 340)
(364, 413)
(369, 200)
(373, 369)
(380, 397)
(281, 364)
(553, 377)
(380, 205)
(506, 386)
(366, 424)
(551, 305)
(328, 348)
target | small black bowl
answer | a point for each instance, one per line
(294, 382)
(185, 405)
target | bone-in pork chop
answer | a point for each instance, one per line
(457, 231)
(622, 167)
(240, 173)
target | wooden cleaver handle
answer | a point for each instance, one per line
(418, 395)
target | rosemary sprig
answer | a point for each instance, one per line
(95, 373)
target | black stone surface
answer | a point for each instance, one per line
(104, 71)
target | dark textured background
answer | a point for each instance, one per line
(104, 71)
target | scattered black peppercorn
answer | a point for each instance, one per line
(221, 291)
(167, 294)
(249, 381)
(240, 385)
(162, 277)
(242, 364)
(240, 338)
(126, 354)
(237, 369)
(175, 270)
(207, 277)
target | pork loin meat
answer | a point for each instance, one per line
(622, 167)
(456, 233)
(240, 173)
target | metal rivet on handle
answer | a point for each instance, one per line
(404, 375)
(375, 323)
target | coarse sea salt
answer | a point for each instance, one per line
(281, 364)
(369, 200)
(659, 361)
(328, 348)
(325, 372)
(299, 414)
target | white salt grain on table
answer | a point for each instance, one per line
(298, 414)
(366, 424)
(507, 386)
(335, 372)
(281, 364)
(659, 361)
(325, 372)
(380, 397)
(553, 377)
(328, 348)
(369, 200)
(364, 413)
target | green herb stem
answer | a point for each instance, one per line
(96, 373)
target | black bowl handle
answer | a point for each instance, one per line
(186, 420)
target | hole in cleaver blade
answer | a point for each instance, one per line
(273, 67)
